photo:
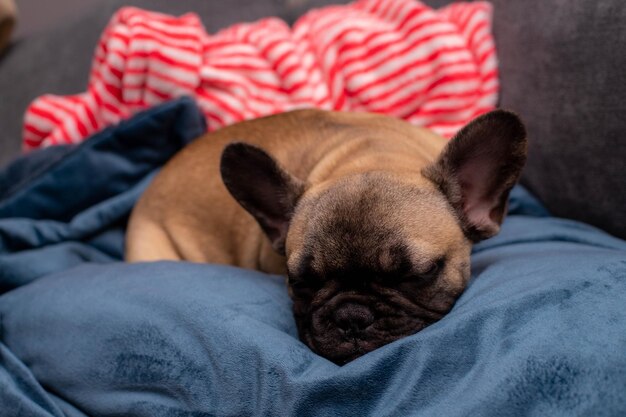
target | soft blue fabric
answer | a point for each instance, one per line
(541, 330)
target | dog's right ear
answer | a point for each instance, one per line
(478, 168)
(262, 187)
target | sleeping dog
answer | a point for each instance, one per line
(371, 219)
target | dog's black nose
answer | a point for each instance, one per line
(353, 316)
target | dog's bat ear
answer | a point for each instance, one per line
(478, 168)
(262, 187)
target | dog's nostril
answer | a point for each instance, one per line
(352, 316)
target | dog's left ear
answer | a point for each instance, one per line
(262, 187)
(478, 168)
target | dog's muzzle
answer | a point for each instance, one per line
(348, 325)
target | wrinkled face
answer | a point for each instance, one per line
(378, 256)
(370, 260)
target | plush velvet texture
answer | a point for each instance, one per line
(539, 331)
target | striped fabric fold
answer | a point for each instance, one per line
(433, 68)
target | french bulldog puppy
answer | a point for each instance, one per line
(371, 219)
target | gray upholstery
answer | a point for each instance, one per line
(562, 69)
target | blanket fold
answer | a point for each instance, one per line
(76, 202)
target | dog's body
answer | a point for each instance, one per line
(371, 218)
(189, 214)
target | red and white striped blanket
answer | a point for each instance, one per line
(434, 68)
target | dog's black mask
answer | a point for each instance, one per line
(345, 317)
(361, 279)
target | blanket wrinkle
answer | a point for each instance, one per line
(58, 212)
(434, 68)
(18, 382)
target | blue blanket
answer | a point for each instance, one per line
(541, 329)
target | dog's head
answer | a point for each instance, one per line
(378, 256)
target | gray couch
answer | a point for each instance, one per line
(562, 69)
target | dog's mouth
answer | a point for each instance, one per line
(350, 324)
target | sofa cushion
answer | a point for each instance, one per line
(562, 69)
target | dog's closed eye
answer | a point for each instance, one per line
(433, 268)
(421, 275)
(301, 289)
(304, 282)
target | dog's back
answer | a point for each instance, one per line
(188, 214)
